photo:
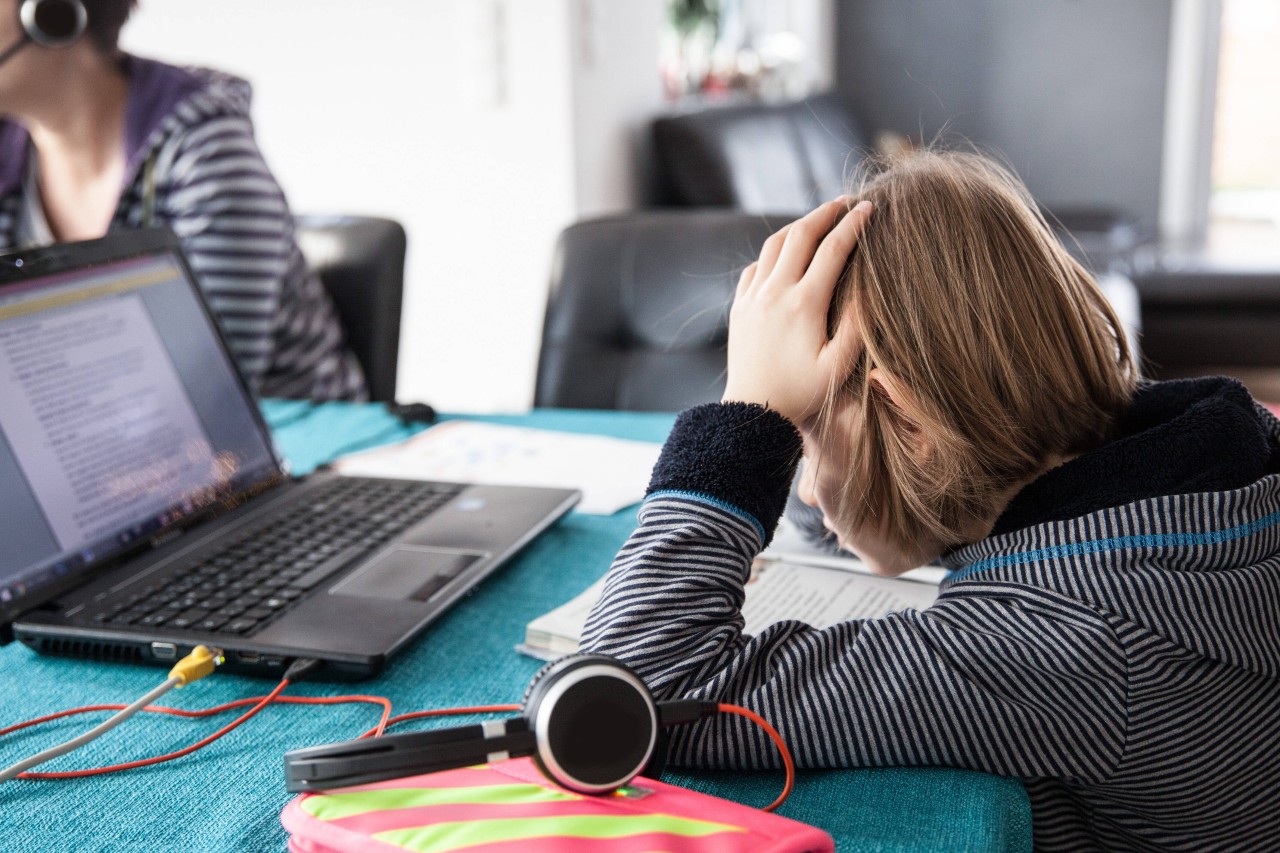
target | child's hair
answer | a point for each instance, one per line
(1004, 352)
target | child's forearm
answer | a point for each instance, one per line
(671, 607)
(714, 499)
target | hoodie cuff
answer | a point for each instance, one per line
(741, 454)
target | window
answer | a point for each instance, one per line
(1244, 200)
(765, 49)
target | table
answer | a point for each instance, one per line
(228, 796)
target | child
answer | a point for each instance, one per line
(962, 393)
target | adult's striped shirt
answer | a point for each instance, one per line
(193, 165)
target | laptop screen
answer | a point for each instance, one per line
(121, 417)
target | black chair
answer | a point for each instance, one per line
(637, 317)
(360, 261)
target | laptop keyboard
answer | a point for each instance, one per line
(257, 575)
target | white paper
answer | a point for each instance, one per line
(611, 472)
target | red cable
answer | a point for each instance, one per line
(261, 702)
(146, 762)
(217, 709)
(87, 709)
(787, 763)
(384, 722)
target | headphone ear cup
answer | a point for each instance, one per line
(537, 684)
(594, 721)
(53, 23)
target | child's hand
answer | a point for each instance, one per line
(779, 354)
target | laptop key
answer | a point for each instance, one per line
(328, 567)
(211, 623)
(188, 618)
(128, 617)
(160, 617)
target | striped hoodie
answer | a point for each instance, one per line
(1115, 642)
(192, 164)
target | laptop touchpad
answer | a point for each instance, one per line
(407, 572)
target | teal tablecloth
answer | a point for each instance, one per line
(228, 796)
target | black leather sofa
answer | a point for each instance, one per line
(1206, 315)
(758, 157)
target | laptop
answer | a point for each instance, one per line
(144, 508)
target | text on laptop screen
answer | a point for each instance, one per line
(120, 415)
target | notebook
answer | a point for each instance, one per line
(145, 508)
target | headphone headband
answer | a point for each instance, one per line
(588, 721)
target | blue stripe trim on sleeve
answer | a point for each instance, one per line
(1119, 543)
(710, 501)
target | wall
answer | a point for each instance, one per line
(1071, 91)
(456, 117)
(616, 90)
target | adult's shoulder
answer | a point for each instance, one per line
(167, 102)
(157, 88)
(177, 112)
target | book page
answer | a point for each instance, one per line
(789, 545)
(557, 632)
(777, 591)
(823, 597)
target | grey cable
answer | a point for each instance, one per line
(94, 733)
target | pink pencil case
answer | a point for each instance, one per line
(509, 807)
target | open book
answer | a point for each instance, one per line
(790, 580)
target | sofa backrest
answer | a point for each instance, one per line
(758, 157)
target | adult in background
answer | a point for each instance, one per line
(93, 140)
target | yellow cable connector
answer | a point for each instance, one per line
(195, 666)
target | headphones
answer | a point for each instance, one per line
(53, 23)
(48, 23)
(588, 721)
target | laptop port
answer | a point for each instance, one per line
(164, 651)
